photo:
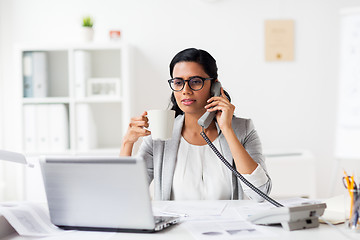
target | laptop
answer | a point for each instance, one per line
(100, 194)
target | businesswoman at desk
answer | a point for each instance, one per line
(184, 167)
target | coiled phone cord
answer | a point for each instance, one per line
(249, 184)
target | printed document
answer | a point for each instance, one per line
(223, 230)
(29, 219)
(189, 209)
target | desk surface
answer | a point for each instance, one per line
(179, 232)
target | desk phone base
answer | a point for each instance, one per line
(291, 218)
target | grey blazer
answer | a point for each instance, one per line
(160, 157)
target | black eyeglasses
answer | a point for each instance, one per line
(196, 83)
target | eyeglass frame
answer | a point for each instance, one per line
(190, 78)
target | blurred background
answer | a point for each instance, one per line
(293, 104)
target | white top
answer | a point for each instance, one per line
(200, 175)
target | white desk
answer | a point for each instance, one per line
(178, 232)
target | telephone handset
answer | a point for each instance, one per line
(207, 118)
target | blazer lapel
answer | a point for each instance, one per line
(170, 154)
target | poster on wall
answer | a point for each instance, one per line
(279, 40)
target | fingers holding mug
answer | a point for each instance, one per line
(137, 128)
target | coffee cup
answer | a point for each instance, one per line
(161, 123)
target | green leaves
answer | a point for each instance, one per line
(87, 21)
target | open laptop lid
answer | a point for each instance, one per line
(98, 193)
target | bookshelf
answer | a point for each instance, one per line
(75, 97)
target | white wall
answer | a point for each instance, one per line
(1, 102)
(1, 73)
(293, 104)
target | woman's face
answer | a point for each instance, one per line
(188, 100)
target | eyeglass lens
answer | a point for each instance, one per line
(194, 83)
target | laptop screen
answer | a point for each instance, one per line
(99, 192)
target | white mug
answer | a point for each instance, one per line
(161, 123)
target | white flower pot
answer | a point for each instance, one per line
(87, 34)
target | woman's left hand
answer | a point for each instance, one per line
(225, 110)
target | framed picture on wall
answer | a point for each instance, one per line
(103, 87)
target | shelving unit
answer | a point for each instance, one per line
(92, 122)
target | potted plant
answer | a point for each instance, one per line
(87, 29)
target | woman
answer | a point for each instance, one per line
(184, 167)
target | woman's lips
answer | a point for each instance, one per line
(187, 102)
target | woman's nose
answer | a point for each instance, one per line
(186, 88)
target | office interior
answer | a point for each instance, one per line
(294, 104)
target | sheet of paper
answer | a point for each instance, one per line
(189, 208)
(235, 229)
(12, 157)
(29, 219)
(227, 215)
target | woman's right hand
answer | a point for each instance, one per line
(137, 128)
